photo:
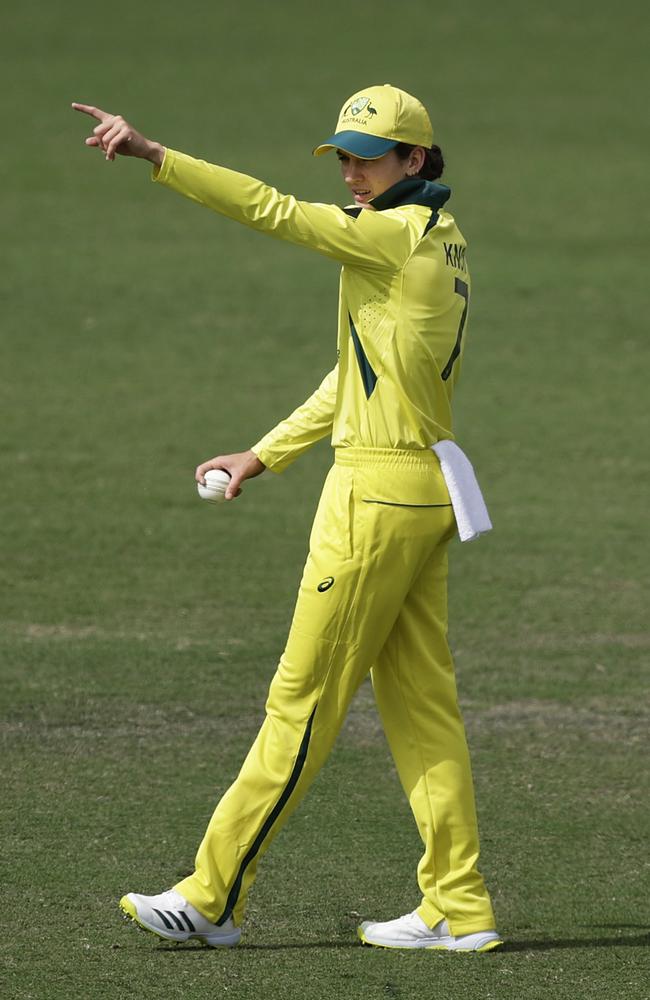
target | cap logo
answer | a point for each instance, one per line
(359, 111)
(356, 107)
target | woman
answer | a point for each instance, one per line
(373, 592)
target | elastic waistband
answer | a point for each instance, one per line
(395, 457)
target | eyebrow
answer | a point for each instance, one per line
(346, 156)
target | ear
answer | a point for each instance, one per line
(415, 161)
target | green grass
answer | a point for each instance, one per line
(140, 628)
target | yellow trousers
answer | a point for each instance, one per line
(373, 597)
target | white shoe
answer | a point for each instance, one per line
(170, 916)
(410, 931)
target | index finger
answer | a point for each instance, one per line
(214, 463)
(88, 109)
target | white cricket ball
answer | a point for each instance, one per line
(216, 481)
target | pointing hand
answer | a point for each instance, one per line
(115, 135)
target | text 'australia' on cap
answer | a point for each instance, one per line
(375, 120)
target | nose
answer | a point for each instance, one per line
(353, 170)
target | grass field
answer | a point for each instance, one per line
(140, 628)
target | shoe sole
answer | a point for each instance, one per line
(176, 937)
(488, 946)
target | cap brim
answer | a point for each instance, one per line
(366, 147)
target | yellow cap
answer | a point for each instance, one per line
(375, 120)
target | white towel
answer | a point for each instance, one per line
(467, 500)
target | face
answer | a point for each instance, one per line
(368, 178)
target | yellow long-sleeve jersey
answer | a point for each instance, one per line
(404, 295)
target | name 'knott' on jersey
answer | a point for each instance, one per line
(404, 295)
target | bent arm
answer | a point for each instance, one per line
(303, 428)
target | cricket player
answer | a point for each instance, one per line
(373, 595)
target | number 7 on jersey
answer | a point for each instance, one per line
(460, 288)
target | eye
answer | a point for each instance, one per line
(342, 158)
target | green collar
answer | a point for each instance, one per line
(413, 191)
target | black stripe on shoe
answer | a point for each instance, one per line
(270, 820)
(170, 927)
(176, 919)
(190, 925)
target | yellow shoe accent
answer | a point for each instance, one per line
(130, 912)
(128, 908)
(490, 946)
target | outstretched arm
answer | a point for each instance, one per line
(364, 242)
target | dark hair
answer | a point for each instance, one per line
(433, 162)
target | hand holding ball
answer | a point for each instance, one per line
(226, 473)
(216, 483)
